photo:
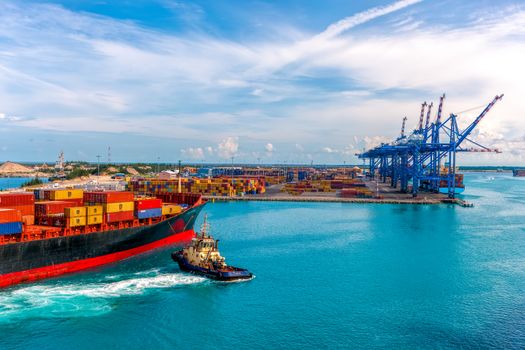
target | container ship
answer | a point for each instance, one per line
(48, 233)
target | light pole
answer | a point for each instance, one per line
(98, 165)
(233, 188)
(158, 165)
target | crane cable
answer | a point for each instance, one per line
(471, 109)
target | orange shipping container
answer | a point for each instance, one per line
(28, 220)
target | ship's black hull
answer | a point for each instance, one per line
(32, 260)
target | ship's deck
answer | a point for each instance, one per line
(40, 232)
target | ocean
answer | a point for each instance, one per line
(15, 182)
(328, 275)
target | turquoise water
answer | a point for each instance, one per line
(14, 182)
(328, 276)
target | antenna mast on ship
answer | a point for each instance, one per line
(205, 227)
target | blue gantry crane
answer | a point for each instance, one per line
(418, 157)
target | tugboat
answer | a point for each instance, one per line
(202, 257)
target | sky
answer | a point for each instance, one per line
(261, 81)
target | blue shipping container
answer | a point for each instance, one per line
(149, 213)
(10, 228)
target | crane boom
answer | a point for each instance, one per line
(423, 105)
(428, 118)
(403, 127)
(471, 127)
(440, 109)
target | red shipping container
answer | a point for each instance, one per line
(179, 198)
(78, 202)
(16, 199)
(52, 207)
(25, 209)
(120, 216)
(108, 197)
(10, 215)
(148, 203)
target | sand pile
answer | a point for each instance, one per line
(132, 171)
(12, 168)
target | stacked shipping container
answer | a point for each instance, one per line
(146, 208)
(16, 209)
(222, 186)
(19, 202)
(347, 187)
(61, 208)
(116, 206)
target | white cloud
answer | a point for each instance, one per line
(194, 153)
(228, 147)
(93, 73)
(299, 147)
(209, 150)
(269, 148)
(329, 150)
(348, 150)
(363, 17)
(374, 141)
(9, 118)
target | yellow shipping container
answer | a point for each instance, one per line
(171, 209)
(94, 210)
(58, 195)
(75, 212)
(80, 221)
(118, 207)
(94, 219)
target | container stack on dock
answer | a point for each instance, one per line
(299, 187)
(274, 179)
(357, 192)
(221, 186)
(458, 182)
(348, 188)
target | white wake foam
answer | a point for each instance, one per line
(85, 299)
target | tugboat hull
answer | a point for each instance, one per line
(231, 274)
